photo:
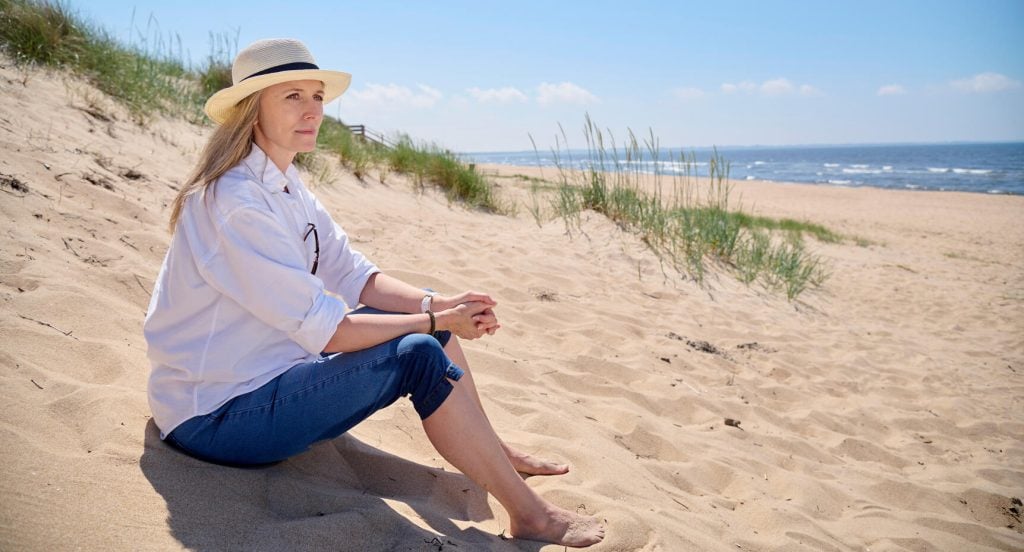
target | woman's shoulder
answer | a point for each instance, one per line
(237, 189)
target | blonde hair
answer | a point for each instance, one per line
(230, 143)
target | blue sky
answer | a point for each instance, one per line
(485, 76)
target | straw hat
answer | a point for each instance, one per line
(266, 63)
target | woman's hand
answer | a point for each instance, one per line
(469, 320)
(444, 302)
(487, 318)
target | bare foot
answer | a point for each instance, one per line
(559, 526)
(524, 463)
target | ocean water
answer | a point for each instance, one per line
(982, 168)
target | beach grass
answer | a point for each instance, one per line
(427, 164)
(687, 221)
(148, 78)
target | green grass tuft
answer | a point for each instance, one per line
(699, 221)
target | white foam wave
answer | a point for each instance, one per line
(760, 162)
(831, 165)
(750, 177)
(938, 169)
(860, 166)
(862, 171)
(887, 168)
(971, 171)
(839, 182)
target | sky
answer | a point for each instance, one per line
(478, 76)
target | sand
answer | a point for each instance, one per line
(880, 412)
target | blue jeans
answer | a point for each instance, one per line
(321, 400)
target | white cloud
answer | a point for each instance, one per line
(393, 95)
(780, 86)
(565, 92)
(688, 93)
(985, 82)
(745, 86)
(892, 90)
(810, 91)
(497, 95)
(776, 87)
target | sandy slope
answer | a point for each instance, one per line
(883, 412)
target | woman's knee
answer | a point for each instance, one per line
(426, 370)
(421, 345)
(422, 359)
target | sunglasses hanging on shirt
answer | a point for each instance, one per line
(311, 229)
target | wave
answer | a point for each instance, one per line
(971, 171)
(856, 166)
(831, 165)
(840, 182)
(862, 171)
(938, 169)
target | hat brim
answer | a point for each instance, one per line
(219, 105)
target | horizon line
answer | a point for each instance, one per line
(788, 146)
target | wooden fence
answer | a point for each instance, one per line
(370, 135)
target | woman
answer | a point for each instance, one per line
(253, 360)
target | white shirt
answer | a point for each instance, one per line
(235, 305)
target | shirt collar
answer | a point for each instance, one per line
(268, 175)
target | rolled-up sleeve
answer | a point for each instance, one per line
(260, 265)
(343, 269)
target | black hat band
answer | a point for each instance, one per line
(296, 66)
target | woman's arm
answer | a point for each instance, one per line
(393, 295)
(360, 331)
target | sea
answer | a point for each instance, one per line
(988, 168)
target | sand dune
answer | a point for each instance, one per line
(882, 412)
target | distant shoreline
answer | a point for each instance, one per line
(989, 168)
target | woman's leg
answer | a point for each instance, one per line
(461, 433)
(522, 462)
(319, 400)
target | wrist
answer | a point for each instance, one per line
(433, 322)
(427, 302)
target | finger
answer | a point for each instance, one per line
(477, 307)
(482, 297)
(485, 325)
(490, 319)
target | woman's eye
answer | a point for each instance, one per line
(318, 97)
(293, 96)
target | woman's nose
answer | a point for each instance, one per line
(314, 110)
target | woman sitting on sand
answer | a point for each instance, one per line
(254, 356)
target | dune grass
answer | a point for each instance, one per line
(687, 221)
(149, 78)
(427, 164)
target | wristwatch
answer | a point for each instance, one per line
(427, 300)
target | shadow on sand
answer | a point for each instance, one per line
(335, 496)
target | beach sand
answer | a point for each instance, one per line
(880, 412)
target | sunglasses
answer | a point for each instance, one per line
(311, 229)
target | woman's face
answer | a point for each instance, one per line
(289, 118)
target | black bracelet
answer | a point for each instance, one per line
(433, 322)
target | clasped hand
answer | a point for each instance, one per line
(468, 315)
